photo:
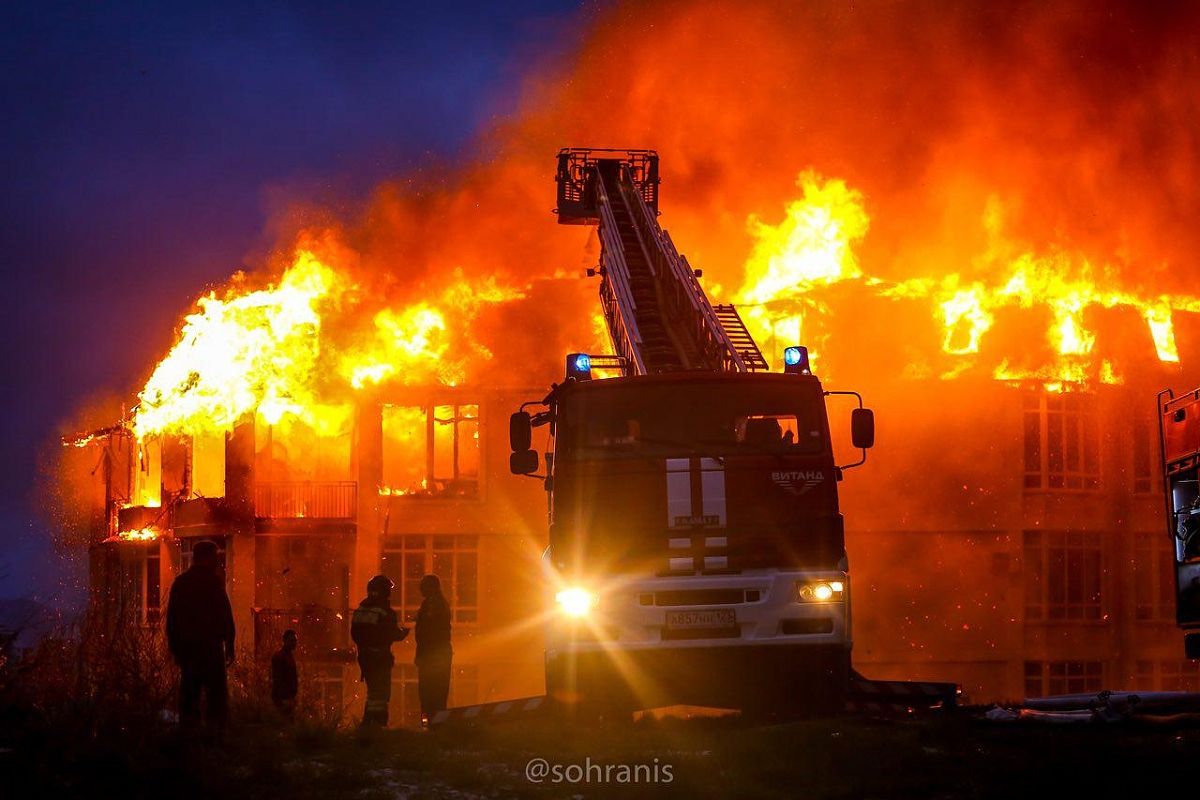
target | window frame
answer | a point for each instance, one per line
(1088, 677)
(463, 549)
(430, 413)
(1153, 564)
(1048, 597)
(1067, 430)
(152, 585)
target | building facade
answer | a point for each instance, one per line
(1017, 551)
(412, 484)
(1015, 543)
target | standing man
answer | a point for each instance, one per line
(433, 648)
(374, 628)
(200, 636)
(285, 682)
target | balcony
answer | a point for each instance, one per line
(334, 500)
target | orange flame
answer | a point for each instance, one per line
(264, 352)
(812, 249)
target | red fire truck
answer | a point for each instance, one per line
(1179, 424)
(696, 546)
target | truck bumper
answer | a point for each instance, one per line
(793, 678)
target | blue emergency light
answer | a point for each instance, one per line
(795, 361)
(579, 366)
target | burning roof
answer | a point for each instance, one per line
(1039, 165)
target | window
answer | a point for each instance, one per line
(1153, 577)
(1061, 442)
(1043, 678)
(185, 554)
(1179, 675)
(454, 559)
(431, 451)
(1147, 450)
(324, 687)
(1063, 572)
(626, 420)
(153, 584)
(1168, 676)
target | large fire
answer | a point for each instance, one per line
(977, 193)
(813, 248)
(267, 352)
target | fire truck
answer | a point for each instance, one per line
(696, 550)
(1179, 427)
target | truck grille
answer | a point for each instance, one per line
(699, 597)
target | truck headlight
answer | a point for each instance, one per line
(575, 602)
(820, 591)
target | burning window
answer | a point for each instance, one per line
(1044, 678)
(147, 476)
(1153, 577)
(1063, 571)
(431, 451)
(1062, 448)
(454, 559)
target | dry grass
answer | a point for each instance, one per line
(84, 718)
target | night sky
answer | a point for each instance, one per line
(146, 147)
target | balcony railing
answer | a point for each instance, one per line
(306, 500)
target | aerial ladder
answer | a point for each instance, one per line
(659, 317)
(697, 540)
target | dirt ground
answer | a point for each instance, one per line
(958, 755)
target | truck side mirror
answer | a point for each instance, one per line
(520, 432)
(862, 428)
(523, 462)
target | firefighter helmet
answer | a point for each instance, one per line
(381, 585)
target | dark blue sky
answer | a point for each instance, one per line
(142, 145)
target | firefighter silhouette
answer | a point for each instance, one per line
(374, 628)
(433, 648)
(285, 681)
(200, 635)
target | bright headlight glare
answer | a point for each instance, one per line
(820, 591)
(575, 601)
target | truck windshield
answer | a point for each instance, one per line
(712, 419)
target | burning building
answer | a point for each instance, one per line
(961, 245)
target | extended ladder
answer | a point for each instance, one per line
(658, 316)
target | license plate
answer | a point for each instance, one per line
(706, 618)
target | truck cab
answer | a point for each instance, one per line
(696, 550)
